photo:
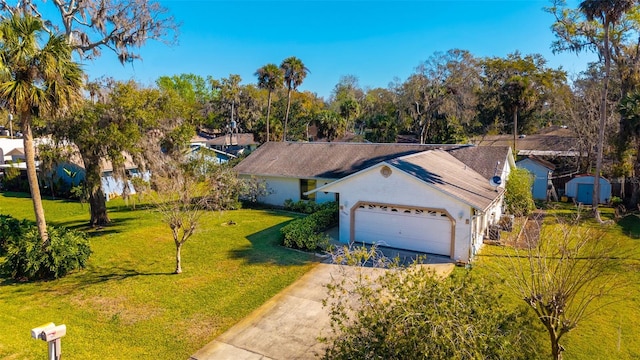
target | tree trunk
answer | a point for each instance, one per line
(98, 207)
(556, 349)
(30, 158)
(178, 258)
(603, 118)
(286, 116)
(97, 199)
(515, 131)
(268, 113)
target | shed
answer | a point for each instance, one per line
(580, 188)
(541, 171)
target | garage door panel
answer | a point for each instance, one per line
(405, 228)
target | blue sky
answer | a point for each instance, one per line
(377, 41)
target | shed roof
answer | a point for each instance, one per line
(322, 160)
(539, 161)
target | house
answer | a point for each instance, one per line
(553, 141)
(72, 172)
(233, 143)
(7, 146)
(430, 198)
(580, 188)
(542, 172)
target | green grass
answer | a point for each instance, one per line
(612, 332)
(127, 304)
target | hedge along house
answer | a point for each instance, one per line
(428, 198)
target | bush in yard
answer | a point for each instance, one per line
(518, 197)
(28, 259)
(302, 206)
(306, 233)
(414, 314)
(11, 227)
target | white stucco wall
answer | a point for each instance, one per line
(323, 196)
(282, 188)
(402, 189)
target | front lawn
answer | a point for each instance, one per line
(612, 332)
(128, 304)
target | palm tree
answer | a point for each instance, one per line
(270, 77)
(35, 80)
(608, 13)
(294, 73)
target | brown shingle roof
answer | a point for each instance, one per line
(559, 141)
(16, 152)
(237, 139)
(443, 171)
(483, 159)
(323, 160)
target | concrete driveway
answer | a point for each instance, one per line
(287, 326)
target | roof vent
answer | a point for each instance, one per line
(385, 171)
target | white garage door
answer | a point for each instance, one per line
(403, 228)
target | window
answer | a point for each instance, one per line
(307, 185)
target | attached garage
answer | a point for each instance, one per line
(404, 227)
(428, 202)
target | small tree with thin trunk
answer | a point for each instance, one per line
(564, 275)
(181, 200)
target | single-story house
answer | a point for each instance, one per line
(72, 172)
(580, 188)
(542, 172)
(233, 143)
(553, 141)
(7, 146)
(429, 198)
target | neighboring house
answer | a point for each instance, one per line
(212, 155)
(554, 141)
(233, 143)
(580, 188)
(17, 155)
(7, 146)
(72, 172)
(542, 172)
(428, 198)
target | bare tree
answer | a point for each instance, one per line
(564, 274)
(181, 200)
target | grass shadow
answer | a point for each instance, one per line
(116, 226)
(266, 247)
(84, 278)
(630, 225)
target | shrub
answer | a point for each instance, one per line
(306, 233)
(11, 228)
(518, 198)
(414, 314)
(302, 206)
(27, 258)
(13, 181)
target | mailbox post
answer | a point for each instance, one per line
(51, 334)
